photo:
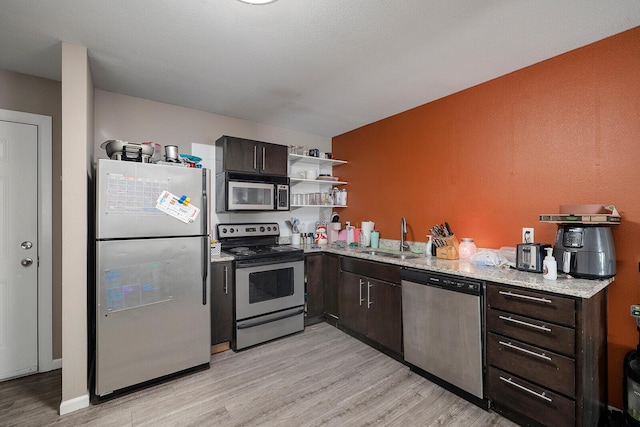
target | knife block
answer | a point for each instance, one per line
(450, 250)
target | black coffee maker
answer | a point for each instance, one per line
(632, 378)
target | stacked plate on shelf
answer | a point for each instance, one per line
(327, 178)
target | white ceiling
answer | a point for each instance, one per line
(319, 66)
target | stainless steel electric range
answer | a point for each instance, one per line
(269, 283)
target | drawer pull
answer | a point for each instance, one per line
(520, 322)
(511, 294)
(540, 395)
(524, 350)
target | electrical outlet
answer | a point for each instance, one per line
(527, 235)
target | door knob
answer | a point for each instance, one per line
(26, 245)
(26, 262)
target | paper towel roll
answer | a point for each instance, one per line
(367, 228)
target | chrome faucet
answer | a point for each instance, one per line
(403, 230)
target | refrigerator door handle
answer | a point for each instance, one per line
(206, 189)
(206, 251)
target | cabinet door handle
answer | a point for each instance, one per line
(226, 281)
(255, 157)
(369, 302)
(511, 294)
(521, 387)
(524, 350)
(264, 150)
(360, 286)
(520, 322)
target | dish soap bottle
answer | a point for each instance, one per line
(549, 266)
(429, 245)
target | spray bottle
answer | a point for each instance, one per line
(549, 266)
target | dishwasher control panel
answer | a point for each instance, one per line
(443, 281)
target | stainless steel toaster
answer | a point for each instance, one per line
(529, 256)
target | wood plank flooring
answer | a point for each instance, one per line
(321, 377)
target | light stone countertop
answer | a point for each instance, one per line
(221, 258)
(564, 285)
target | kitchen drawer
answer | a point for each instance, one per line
(377, 270)
(540, 333)
(532, 304)
(533, 401)
(541, 366)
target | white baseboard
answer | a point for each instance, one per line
(72, 405)
(56, 364)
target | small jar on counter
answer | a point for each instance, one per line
(466, 249)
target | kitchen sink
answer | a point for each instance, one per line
(391, 254)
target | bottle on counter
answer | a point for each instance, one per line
(429, 245)
(549, 266)
(343, 197)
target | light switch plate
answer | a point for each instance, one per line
(527, 235)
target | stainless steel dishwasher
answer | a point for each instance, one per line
(442, 318)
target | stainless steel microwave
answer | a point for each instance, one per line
(240, 192)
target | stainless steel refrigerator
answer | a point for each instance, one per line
(152, 272)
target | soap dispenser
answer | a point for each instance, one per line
(429, 245)
(549, 266)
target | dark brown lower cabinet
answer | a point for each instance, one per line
(372, 306)
(331, 277)
(221, 302)
(547, 356)
(314, 284)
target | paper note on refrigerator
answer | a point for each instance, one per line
(177, 207)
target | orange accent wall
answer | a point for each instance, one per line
(491, 158)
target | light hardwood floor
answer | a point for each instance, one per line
(322, 377)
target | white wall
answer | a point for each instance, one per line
(77, 92)
(195, 132)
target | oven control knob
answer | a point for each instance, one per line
(231, 230)
(262, 229)
(224, 231)
(275, 228)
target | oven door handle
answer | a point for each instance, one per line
(262, 322)
(269, 261)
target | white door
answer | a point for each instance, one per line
(18, 249)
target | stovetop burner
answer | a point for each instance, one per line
(240, 250)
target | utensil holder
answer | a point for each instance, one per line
(450, 249)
